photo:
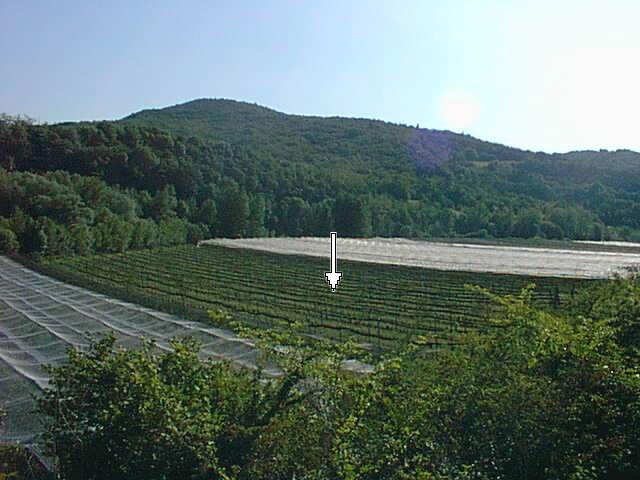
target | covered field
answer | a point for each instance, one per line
(543, 262)
(41, 317)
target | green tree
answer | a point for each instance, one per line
(233, 211)
(111, 233)
(58, 240)
(292, 216)
(144, 420)
(81, 239)
(527, 223)
(501, 223)
(551, 230)
(8, 241)
(173, 231)
(540, 397)
(207, 213)
(171, 415)
(352, 216)
(256, 219)
(319, 218)
(195, 233)
(163, 204)
(144, 233)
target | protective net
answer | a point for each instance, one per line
(575, 262)
(41, 317)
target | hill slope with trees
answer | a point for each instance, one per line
(518, 193)
(226, 168)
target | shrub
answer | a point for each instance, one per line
(8, 241)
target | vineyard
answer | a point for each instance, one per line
(382, 306)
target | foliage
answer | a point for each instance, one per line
(573, 195)
(232, 169)
(19, 463)
(61, 214)
(132, 414)
(8, 241)
(618, 302)
(540, 395)
(136, 414)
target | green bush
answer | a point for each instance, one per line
(138, 414)
(8, 241)
(542, 395)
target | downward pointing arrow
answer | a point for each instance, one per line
(333, 277)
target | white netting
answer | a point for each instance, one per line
(41, 317)
(544, 262)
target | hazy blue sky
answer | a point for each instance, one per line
(545, 75)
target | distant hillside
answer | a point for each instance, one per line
(365, 143)
(227, 168)
(336, 139)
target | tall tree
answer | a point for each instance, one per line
(352, 216)
(233, 211)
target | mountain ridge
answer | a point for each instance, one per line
(238, 122)
(218, 101)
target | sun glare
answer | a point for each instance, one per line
(458, 110)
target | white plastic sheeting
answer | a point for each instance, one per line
(41, 317)
(545, 262)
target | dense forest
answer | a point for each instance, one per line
(226, 168)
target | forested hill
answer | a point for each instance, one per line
(227, 168)
(322, 141)
(364, 144)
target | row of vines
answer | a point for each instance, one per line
(379, 305)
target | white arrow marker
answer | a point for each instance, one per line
(333, 277)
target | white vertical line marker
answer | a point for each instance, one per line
(333, 277)
(334, 261)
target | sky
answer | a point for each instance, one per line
(542, 75)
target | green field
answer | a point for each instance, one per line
(380, 305)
